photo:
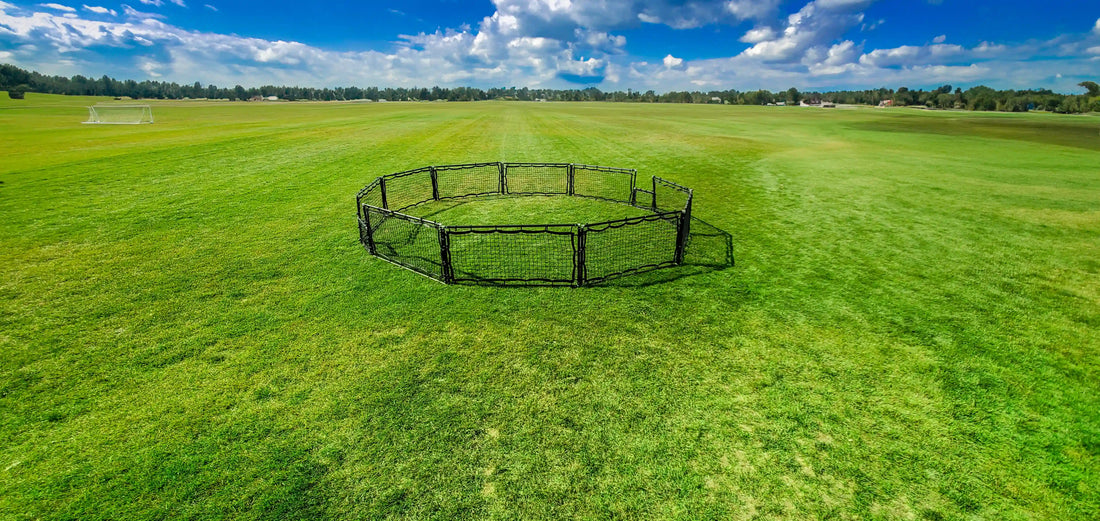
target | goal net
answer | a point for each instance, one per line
(120, 114)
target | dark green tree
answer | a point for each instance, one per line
(18, 91)
(793, 96)
(11, 76)
(1092, 86)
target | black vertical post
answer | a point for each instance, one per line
(687, 221)
(580, 261)
(503, 178)
(447, 271)
(633, 185)
(683, 230)
(569, 179)
(681, 236)
(362, 231)
(435, 184)
(687, 208)
(382, 184)
(654, 192)
(370, 232)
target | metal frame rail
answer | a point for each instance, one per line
(510, 254)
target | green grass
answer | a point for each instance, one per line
(511, 210)
(189, 328)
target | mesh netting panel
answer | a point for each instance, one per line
(546, 254)
(535, 178)
(463, 180)
(542, 254)
(408, 188)
(670, 196)
(407, 241)
(605, 183)
(627, 245)
(371, 194)
(128, 114)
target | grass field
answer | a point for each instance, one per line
(189, 328)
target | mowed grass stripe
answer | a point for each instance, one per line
(909, 330)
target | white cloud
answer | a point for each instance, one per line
(99, 9)
(134, 13)
(151, 68)
(553, 18)
(940, 39)
(751, 9)
(581, 68)
(945, 50)
(844, 4)
(59, 7)
(599, 40)
(871, 26)
(838, 59)
(1096, 28)
(890, 57)
(554, 43)
(758, 34)
(210, 7)
(910, 55)
(989, 48)
(160, 3)
(817, 25)
(841, 53)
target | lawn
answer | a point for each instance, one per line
(189, 328)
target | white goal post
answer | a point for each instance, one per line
(120, 114)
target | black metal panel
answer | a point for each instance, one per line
(537, 178)
(615, 248)
(407, 189)
(468, 180)
(405, 240)
(600, 182)
(542, 254)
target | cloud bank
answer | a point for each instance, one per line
(547, 43)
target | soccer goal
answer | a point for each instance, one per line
(120, 114)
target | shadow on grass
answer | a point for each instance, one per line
(434, 208)
(709, 249)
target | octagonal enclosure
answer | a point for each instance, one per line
(524, 253)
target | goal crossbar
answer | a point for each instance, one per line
(119, 114)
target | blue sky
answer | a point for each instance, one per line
(611, 44)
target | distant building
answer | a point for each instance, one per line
(886, 103)
(828, 105)
(271, 98)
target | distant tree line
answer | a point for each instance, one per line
(17, 81)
